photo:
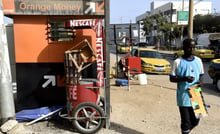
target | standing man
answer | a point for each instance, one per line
(187, 71)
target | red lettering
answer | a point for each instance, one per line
(75, 93)
(72, 92)
(60, 81)
(100, 9)
(22, 6)
(59, 6)
(100, 78)
(42, 8)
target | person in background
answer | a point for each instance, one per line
(187, 71)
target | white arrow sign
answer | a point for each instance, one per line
(90, 8)
(50, 79)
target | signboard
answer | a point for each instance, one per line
(53, 7)
(197, 101)
(183, 17)
(96, 25)
(40, 85)
(43, 84)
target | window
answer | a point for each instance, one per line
(134, 52)
(56, 31)
(150, 54)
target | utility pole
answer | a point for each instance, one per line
(214, 11)
(107, 63)
(190, 26)
(171, 18)
(7, 107)
(181, 38)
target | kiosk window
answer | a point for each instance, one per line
(56, 31)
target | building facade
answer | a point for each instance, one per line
(169, 9)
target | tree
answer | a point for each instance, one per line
(206, 23)
(162, 27)
(148, 24)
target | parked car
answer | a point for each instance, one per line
(152, 61)
(214, 72)
(203, 39)
(144, 44)
(200, 51)
(215, 44)
(123, 48)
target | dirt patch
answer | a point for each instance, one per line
(144, 109)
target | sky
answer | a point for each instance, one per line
(126, 11)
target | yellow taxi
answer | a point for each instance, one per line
(200, 51)
(123, 48)
(214, 72)
(152, 61)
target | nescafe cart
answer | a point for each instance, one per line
(84, 106)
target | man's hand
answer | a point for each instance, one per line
(199, 83)
(190, 79)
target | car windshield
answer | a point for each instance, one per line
(150, 54)
(202, 47)
(142, 44)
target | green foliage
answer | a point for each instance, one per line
(148, 24)
(206, 24)
(202, 24)
(161, 25)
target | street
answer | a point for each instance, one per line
(145, 109)
(167, 55)
(152, 108)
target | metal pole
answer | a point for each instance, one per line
(107, 86)
(7, 108)
(190, 28)
(181, 38)
(171, 17)
(130, 40)
(139, 31)
(115, 38)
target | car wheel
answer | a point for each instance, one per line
(218, 85)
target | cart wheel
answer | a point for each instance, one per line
(88, 118)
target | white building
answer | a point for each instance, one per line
(165, 7)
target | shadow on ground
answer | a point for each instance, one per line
(210, 89)
(122, 129)
(63, 125)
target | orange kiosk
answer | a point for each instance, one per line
(44, 30)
